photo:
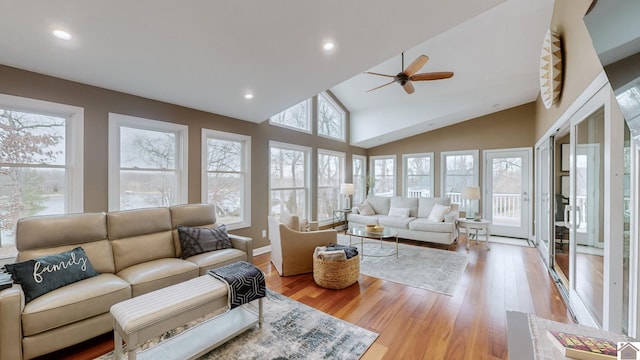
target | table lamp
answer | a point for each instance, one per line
(471, 194)
(347, 190)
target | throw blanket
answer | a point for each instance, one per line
(244, 281)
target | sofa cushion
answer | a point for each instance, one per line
(78, 301)
(213, 259)
(380, 204)
(420, 224)
(156, 274)
(425, 204)
(364, 219)
(197, 240)
(395, 222)
(403, 202)
(40, 275)
(365, 209)
(438, 212)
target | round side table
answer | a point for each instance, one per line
(470, 224)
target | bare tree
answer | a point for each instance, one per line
(24, 141)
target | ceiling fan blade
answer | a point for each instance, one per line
(408, 87)
(385, 75)
(383, 85)
(416, 65)
(431, 76)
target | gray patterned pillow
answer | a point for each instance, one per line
(195, 240)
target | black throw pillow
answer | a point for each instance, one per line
(195, 240)
(40, 275)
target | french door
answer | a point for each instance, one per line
(507, 195)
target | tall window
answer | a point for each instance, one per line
(297, 117)
(383, 175)
(331, 118)
(330, 176)
(289, 179)
(359, 174)
(459, 169)
(147, 163)
(225, 176)
(41, 161)
(418, 175)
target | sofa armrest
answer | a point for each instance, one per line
(451, 218)
(243, 243)
(11, 306)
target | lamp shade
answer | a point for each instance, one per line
(347, 189)
(471, 192)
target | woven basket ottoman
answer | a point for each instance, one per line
(336, 274)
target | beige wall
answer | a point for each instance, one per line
(580, 61)
(98, 102)
(511, 128)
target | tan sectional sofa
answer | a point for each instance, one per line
(416, 225)
(135, 252)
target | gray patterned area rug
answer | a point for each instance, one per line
(291, 330)
(425, 268)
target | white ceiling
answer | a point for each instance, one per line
(207, 54)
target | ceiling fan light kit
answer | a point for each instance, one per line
(408, 75)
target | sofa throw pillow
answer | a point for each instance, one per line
(365, 209)
(196, 240)
(437, 212)
(40, 275)
(399, 212)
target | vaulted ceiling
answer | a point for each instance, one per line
(208, 54)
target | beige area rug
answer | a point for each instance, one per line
(291, 330)
(421, 267)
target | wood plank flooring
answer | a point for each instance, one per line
(419, 324)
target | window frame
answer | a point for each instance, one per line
(341, 168)
(307, 175)
(74, 144)
(443, 167)
(309, 113)
(342, 113)
(116, 122)
(372, 168)
(245, 172)
(405, 172)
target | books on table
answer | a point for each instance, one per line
(583, 347)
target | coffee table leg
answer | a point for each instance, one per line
(396, 246)
(260, 316)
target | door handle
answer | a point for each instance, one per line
(567, 222)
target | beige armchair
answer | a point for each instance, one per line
(292, 250)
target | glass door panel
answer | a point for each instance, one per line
(543, 199)
(587, 213)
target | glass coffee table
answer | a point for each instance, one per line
(362, 233)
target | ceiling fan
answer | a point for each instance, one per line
(408, 75)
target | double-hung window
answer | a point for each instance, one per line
(226, 176)
(330, 176)
(382, 177)
(418, 175)
(41, 161)
(359, 178)
(289, 179)
(147, 163)
(459, 169)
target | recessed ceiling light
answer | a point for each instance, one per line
(328, 46)
(248, 96)
(61, 34)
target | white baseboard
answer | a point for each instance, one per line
(262, 250)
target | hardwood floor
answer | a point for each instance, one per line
(419, 324)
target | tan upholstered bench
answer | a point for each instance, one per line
(144, 317)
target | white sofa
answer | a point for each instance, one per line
(415, 226)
